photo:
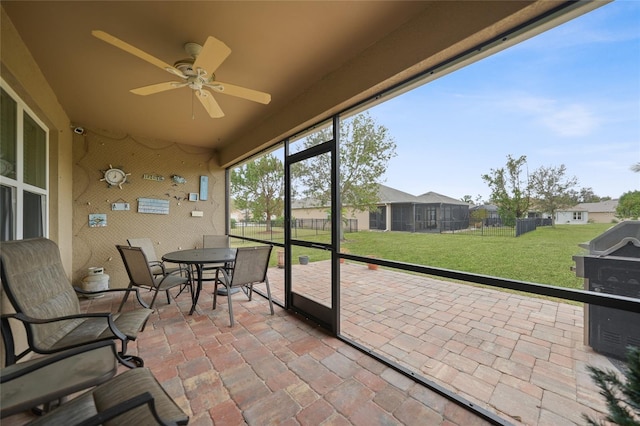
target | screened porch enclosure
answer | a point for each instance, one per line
(419, 217)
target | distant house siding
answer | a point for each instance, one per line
(572, 217)
(603, 217)
(601, 212)
(321, 213)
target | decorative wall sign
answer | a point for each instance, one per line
(153, 206)
(178, 179)
(120, 206)
(204, 183)
(149, 176)
(97, 220)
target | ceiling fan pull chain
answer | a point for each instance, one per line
(193, 115)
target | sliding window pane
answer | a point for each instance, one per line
(7, 213)
(35, 152)
(8, 135)
(33, 215)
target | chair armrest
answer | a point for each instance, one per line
(39, 363)
(179, 272)
(11, 357)
(111, 290)
(30, 320)
(144, 398)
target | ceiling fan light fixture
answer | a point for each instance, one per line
(197, 72)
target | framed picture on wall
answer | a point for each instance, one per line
(193, 196)
(97, 220)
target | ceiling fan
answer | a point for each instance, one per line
(197, 72)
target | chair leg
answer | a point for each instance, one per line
(129, 361)
(126, 296)
(230, 305)
(215, 294)
(266, 281)
(153, 300)
(168, 298)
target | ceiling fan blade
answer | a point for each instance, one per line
(213, 53)
(157, 88)
(209, 103)
(240, 92)
(130, 49)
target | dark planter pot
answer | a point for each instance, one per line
(303, 260)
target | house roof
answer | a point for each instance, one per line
(487, 207)
(608, 206)
(388, 195)
(435, 198)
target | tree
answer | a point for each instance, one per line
(509, 191)
(622, 396)
(586, 195)
(467, 199)
(365, 151)
(258, 186)
(629, 205)
(552, 190)
(636, 168)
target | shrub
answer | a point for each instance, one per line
(623, 397)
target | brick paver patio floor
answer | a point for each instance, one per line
(520, 357)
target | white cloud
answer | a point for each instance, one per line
(563, 119)
(570, 121)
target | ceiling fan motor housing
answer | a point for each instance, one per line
(185, 66)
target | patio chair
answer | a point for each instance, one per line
(215, 241)
(45, 302)
(141, 275)
(158, 267)
(132, 398)
(249, 268)
(52, 378)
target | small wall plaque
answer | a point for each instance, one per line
(153, 206)
(149, 176)
(97, 220)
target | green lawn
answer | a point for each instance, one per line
(543, 256)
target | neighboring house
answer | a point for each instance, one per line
(602, 212)
(485, 215)
(573, 216)
(399, 211)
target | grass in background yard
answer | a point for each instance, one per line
(543, 256)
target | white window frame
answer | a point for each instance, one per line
(19, 186)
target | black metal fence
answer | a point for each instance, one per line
(494, 227)
(348, 225)
(274, 230)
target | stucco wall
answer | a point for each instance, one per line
(94, 152)
(22, 74)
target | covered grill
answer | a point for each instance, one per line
(612, 266)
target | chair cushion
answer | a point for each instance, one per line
(36, 282)
(122, 387)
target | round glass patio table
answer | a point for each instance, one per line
(199, 258)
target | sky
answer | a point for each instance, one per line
(569, 96)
